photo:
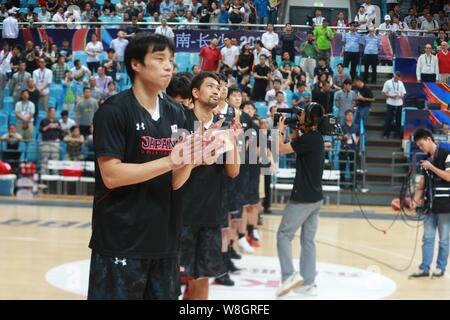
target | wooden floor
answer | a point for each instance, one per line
(51, 236)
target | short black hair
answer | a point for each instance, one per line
(110, 50)
(279, 92)
(349, 111)
(198, 80)
(86, 88)
(64, 113)
(277, 80)
(300, 83)
(347, 81)
(258, 42)
(142, 44)
(232, 90)
(76, 61)
(72, 128)
(422, 134)
(179, 86)
(222, 77)
(340, 64)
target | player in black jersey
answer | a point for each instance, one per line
(201, 196)
(134, 227)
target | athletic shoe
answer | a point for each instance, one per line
(256, 234)
(310, 290)
(233, 254)
(420, 274)
(224, 280)
(244, 246)
(438, 273)
(294, 281)
(232, 267)
(253, 242)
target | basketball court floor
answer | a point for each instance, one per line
(44, 255)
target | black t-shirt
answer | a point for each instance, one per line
(318, 71)
(200, 198)
(323, 98)
(366, 92)
(441, 201)
(245, 60)
(310, 152)
(204, 14)
(135, 221)
(262, 71)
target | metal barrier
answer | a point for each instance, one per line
(406, 165)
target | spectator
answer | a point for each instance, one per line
(262, 10)
(279, 102)
(324, 35)
(12, 153)
(108, 8)
(74, 142)
(394, 91)
(165, 7)
(214, 13)
(88, 14)
(286, 60)
(352, 41)
(59, 69)
(93, 50)
(193, 7)
(10, 30)
(72, 16)
(273, 11)
(442, 37)
(245, 60)
(65, 122)
(362, 19)
(340, 77)
(442, 19)
(34, 96)
(318, 19)
(119, 44)
(43, 77)
(324, 97)
(270, 40)
(301, 97)
(152, 7)
(260, 50)
(5, 60)
(3, 13)
(323, 68)
(443, 57)
(19, 82)
(121, 7)
(17, 58)
(370, 12)
(364, 99)
(51, 132)
(372, 44)
(69, 95)
(141, 6)
(288, 42)
(85, 111)
(111, 91)
(180, 8)
(271, 94)
(297, 75)
(25, 111)
(286, 70)
(340, 22)
(80, 73)
(430, 25)
(102, 81)
(427, 69)
(133, 11)
(412, 30)
(95, 92)
(210, 57)
(309, 51)
(236, 12)
(397, 25)
(165, 30)
(65, 51)
(275, 73)
(58, 17)
(190, 20)
(203, 12)
(345, 100)
(172, 17)
(44, 15)
(350, 140)
(245, 85)
(410, 17)
(261, 73)
(230, 54)
(385, 26)
(111, 65)
(224, 15)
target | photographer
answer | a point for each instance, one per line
(436, 184)
(305, 202)
(309, 51)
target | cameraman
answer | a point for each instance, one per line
(304, 205)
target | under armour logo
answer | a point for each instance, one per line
(121, 261)
(140, 126)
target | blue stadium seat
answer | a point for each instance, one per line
(53, 102)
(182, 59)
(297, 60)
(80, 55)
(194, 59)
(56, 91)
(289, 95)
(8, 104)
(3, 119)
(62, 150)
(278, 60)
(12, 118)
(262, 109)
(32, 151)
(6, 91)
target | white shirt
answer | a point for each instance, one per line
(317, 21)
(229, 55)
(370, 11)
(41, 78)
(270, 40)
(25, 109)
(362, 17)
(65, 126)
(10, 28)
(5, 65)
(94, 48)
(394, 88)
(427, 64)
(58, 18)
(44, 17)
(263, 51)
(119, 46)
(271, 96)
(77, 72)
(167, 31)
(340, 23)
(384, 25)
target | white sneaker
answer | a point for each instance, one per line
(244, 246)
(256, 235)
(294, 281)
(310, 290)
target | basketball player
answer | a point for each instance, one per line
(201, 236)
(134, 227)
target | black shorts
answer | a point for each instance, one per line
(239, 188)
(201, 253)
(225, 207)
(252, 194)
(116, 278)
